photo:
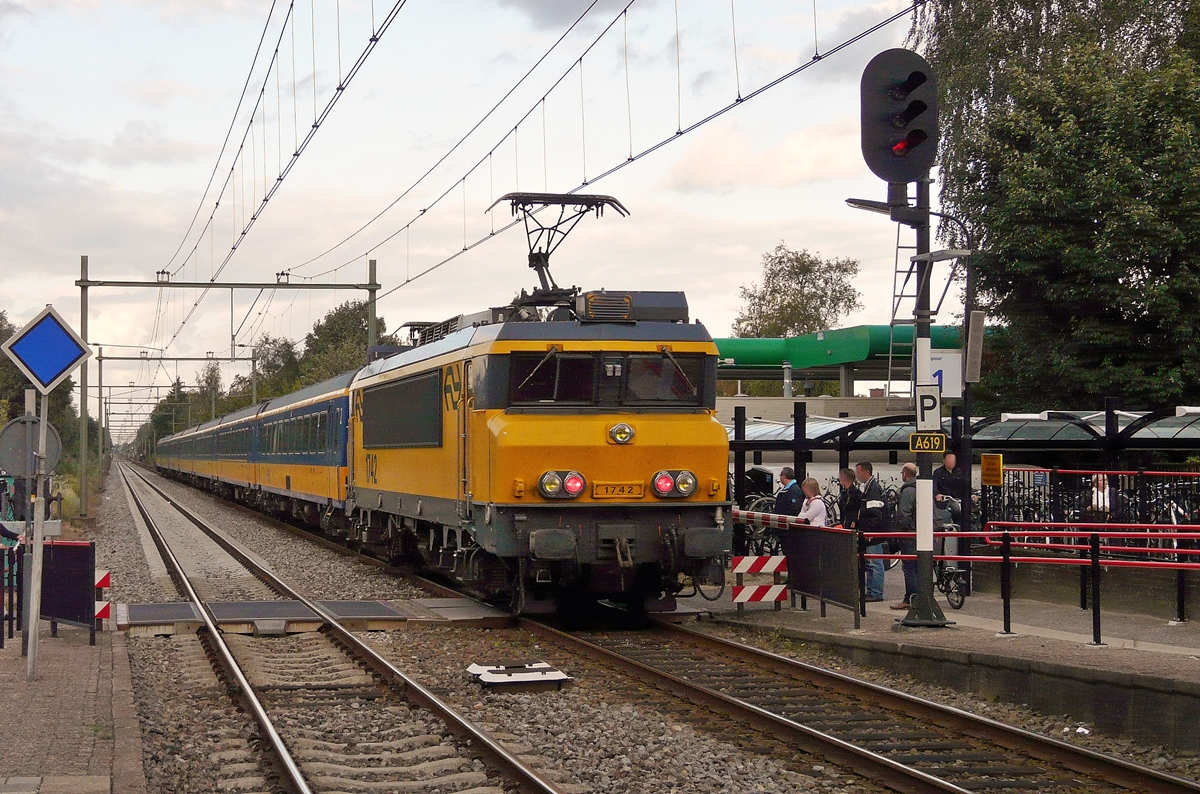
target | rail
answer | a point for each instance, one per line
(525, 778)
(787, 698)
(283, 756)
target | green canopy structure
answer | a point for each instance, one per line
(861, 352)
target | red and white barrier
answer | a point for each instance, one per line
(746, 594)
(773, 564)
(103, 608)
(766, 520)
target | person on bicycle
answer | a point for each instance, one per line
(790, 499)
(870, 519)
(906, 521)
(950, 487)
(813, 509)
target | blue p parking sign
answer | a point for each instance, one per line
(46, 350)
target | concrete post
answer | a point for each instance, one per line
(100, 406)
(39, 534)
(372, 327)
(83, 391)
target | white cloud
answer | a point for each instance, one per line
(722, 158)
(139, 143)
(558, 13)
(158, 94)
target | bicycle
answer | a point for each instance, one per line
(708, 581)
(948, 578)
(952, 583)
(759, 540)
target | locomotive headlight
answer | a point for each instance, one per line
(551, 484)
(664, 483)
(685, 483)
(573, 483)
(621, 433)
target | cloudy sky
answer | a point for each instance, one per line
(113, 114)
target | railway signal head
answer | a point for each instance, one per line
(899, 116)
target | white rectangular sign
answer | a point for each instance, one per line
(946, 367)
(929, 408)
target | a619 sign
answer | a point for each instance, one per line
(927, 442)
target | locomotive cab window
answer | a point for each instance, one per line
(663, 378)
(553, 377)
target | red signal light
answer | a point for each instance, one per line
(910, 142)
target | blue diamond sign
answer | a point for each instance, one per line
(46, 350)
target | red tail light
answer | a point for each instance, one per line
(573, 484)
(664, 483)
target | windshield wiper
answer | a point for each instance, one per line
(551, 352)
(666, 352)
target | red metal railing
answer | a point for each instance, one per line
(1006, 535)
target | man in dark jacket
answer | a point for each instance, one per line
(950, 482)
(849, 500)
(870, 519)
(906, 521)
(790, 498)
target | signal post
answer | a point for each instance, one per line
(899, 144)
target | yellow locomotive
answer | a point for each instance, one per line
(560, 448)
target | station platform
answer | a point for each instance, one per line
(1144, 682)
(290, 617)
(75, 729)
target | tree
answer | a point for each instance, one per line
(1086, 207)
(801, 293)
(975, 46)
(338, 342)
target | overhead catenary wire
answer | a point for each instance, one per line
(317, 123)
(458, 144)
(675, 136)
(438, 199)
(228, 133)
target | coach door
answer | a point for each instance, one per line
(456, 391)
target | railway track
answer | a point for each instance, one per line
(907, 743)
(333, 714)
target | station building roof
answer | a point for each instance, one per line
(1167, 429)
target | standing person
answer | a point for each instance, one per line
(789, 499)
(870, 519)
(906, 521)
(849, 500)
(813, 510)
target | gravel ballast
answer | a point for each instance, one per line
(607, 732)
(1054, 726)
(315, 570)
